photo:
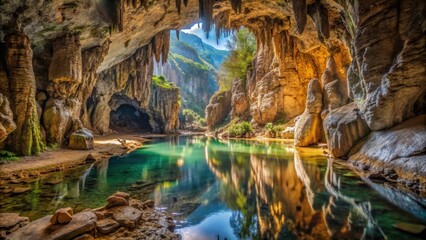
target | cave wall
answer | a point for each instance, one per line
(64, 61)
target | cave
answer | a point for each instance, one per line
(129, 119)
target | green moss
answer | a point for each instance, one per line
(161, 82)
(8, 156)
(32, 143)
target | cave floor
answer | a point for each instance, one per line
(62, 158)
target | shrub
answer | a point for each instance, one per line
(192, 117)
(239, 129)
(7, 156)
(161, 81)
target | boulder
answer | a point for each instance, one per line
(343, 127)
(81, 140)
(307, 130)
(116, 200)
(218, 108)
(62, 216)
(6, 118)
(10, 222)
(107, 225)
(126, 216)
(399, 151)
(81, 223)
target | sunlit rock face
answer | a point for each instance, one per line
(75, 56)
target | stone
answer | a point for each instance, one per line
(149, 203)
(107, 226)
(123, 195)
(10, 222)
(307, 130)
(81, 223)
(6, 118)
(126, 216)
(114, 201)
(20, 190)
(81, 140)
(314, 97)
(26, 139)
(344, 127)
(335, 96)
(410, 227)
(84, 237)
(239, 100)
(399, 152)
(62, 216)
(91, 158)
(218, 108)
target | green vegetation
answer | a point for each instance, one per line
(242, 48)
(274, 129)
(161, 81)
(7, 156)
(192, 117)
(239, 129)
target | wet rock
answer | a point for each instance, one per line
(81, 223)
(62, 216)
(90, 158)
(118, 199)
(410, 227)
(343, 127)
(10, 222)
(126, 216)
(81, 140)
(20, 190)
(107, 225)
(149, 203)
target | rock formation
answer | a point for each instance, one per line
(134, 217)
(218, 109)
(88, 58)
(164, 106)
(6, 118)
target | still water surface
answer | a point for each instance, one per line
(233, 190)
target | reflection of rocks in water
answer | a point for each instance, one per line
(287, 198)
(102, 171)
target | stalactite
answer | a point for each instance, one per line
(178, 5)
(177, 34)
(319, 14)
(118, 21)
(206, 14)
(236, 5)
(300, 14)
(166, 46)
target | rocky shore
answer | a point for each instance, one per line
(121, 218)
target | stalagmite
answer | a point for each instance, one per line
(26, 139)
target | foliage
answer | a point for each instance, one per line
(239, 129)
(242, 48)
(192, 117)
(8, 156)
(161, 81)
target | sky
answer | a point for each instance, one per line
(212, 36)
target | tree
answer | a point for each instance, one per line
(242, 47)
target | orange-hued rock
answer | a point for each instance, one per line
(218, 108)
(6, 118)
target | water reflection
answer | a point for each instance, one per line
(233, 189)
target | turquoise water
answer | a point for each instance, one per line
(233, 190)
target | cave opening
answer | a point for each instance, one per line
(128, 118)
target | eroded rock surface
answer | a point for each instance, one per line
(6, 118)
(218, 108)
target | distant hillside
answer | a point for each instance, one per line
(192, 66)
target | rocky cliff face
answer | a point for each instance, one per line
(54, 52)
